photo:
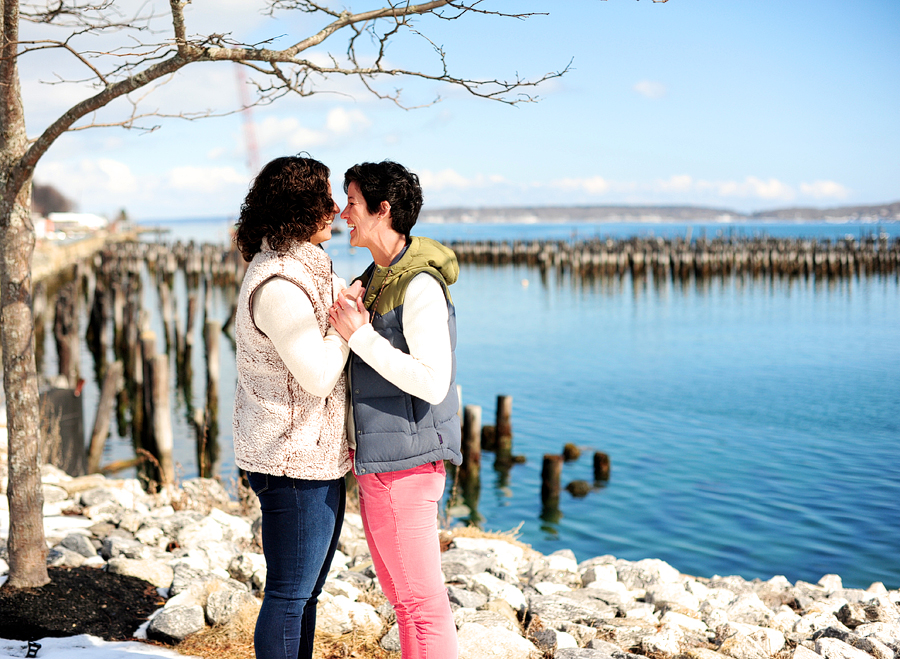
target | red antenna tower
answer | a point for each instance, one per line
(249, 126)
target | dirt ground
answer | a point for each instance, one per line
(78, 601)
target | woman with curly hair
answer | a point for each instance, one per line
(289, 408)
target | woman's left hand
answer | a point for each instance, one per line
(348, 315)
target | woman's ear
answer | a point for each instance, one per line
(385, 208)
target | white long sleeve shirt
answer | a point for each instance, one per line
(283, 312)
(424, 372)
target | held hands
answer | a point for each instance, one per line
(348, 313)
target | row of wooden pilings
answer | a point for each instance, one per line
(135, 377)
(498, 439)
(681, 258)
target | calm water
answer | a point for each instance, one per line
(752, 425)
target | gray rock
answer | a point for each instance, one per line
(559, 607)
(489, 619)
(391, 640)
(466, 598)
(832, 648)
(663, 594)
(583, 634)
(172, 524)
(871, 646)
(544, 640)
(735, 584)
(176, 623)
(223, 605)
(155, 572)
(582, 653)
(96, 496)
(803, 652)
(478, 642)
(645, 573)
(456, 562)
(610, 649)
(54, 493)
(131, 521)
(59, 556)
(80, 544)
(184, 576)
(115, 547)
(624, 632)
(750, 609)
(853, 614)
(564, 577)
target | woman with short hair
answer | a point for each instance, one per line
(400, 322)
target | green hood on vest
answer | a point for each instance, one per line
(422, 255)
(425, 253)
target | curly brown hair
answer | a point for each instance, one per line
(288, 201)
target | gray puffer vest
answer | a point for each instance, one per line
(395, 430)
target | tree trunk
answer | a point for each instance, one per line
(27, 546)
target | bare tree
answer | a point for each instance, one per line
(136, 57)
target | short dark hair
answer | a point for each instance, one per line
(287, 201)
(391, 182)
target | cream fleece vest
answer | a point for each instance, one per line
(279, 428)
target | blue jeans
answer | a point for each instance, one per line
(301, 523)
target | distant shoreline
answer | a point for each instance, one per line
(660, 214)
(875, 214)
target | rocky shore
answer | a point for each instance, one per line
(201, 550)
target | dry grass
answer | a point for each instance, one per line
(235, 641)
(230, 641)
(511, 536)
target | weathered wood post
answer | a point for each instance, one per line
(210, 448)
(470, 470)
(601, 466)
(504, 430)
(112, 381)
(162, 417)
(65, 331)
(551, 473)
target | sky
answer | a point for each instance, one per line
(741, 105)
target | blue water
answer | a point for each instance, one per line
(752, 425)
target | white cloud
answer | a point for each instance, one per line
(343, 122)
(205, 179)
(650, 89)
(444, 179)
(276, 131)
(773, 189)
(103, 175)
(339, 123)
(448, 179)
(824, 190)
(595, 185)
(675, 183)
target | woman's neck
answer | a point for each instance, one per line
(388, 248)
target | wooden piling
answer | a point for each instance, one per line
(112, 382)
(551, 472)
(210, 446)
(601, 466)
(162, 417)
(65, 331)
(503, 430)
(470, 470)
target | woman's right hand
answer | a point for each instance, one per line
(348, 295)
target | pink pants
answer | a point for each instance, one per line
(399, 514)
